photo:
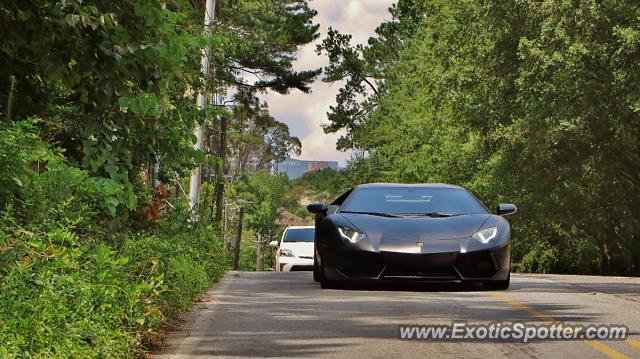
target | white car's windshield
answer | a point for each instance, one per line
(299, 235)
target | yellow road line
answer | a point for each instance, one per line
(605, 349)
(533, 312)
(633, 343)
(610, 352)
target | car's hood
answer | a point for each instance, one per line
(299, 249)
(417, 228)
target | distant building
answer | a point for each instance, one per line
(296, 168)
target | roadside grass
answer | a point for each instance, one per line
(61, 297)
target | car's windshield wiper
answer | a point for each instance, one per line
(380, 214)
(430, 214)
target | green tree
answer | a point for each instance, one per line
(256, 134)
(523, 101)
(261, 40)
(363, 68)
(106, 78)
(114, 83)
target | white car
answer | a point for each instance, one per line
(295, 250)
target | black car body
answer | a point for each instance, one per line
(419, 232)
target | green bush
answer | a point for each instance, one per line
(18, 146)
(188, 262)
(76, 281)
(540, 259)
(62, 297)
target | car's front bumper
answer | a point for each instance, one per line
(293, 264)
(490, 264)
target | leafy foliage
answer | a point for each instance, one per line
(262, 39)
(64, 295)
(527, 102)
(114, 82)
(256, 134)
(105, 76)
(74, 285)
(108, 88)
(267, 194)
(364, 68)
(323, 185)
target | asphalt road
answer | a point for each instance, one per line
(271, 314)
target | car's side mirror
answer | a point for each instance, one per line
(317, 208)
(505, 209)
(273, 244)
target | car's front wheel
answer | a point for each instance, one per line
(316, 271)
(499, 284)
(327, 284)
(324, 282)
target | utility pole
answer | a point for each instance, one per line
(236, 247)
(194, 187)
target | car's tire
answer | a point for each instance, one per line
(499, 284)
(324, 282)
(316, 272)
(328, 284)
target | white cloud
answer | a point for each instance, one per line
(304, 113)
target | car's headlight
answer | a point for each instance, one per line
(486, 235)
(351, 234)
(286, 252)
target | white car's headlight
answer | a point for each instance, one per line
(486, 235)
(351, 234)
(284, 252)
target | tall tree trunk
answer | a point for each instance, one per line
(236, 248)
(222, 154)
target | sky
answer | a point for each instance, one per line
(304, 113)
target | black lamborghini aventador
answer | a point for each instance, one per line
(419, 232)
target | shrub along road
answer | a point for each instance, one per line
(268, 314)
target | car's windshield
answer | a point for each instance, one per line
(413, 200)
(299, 235)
